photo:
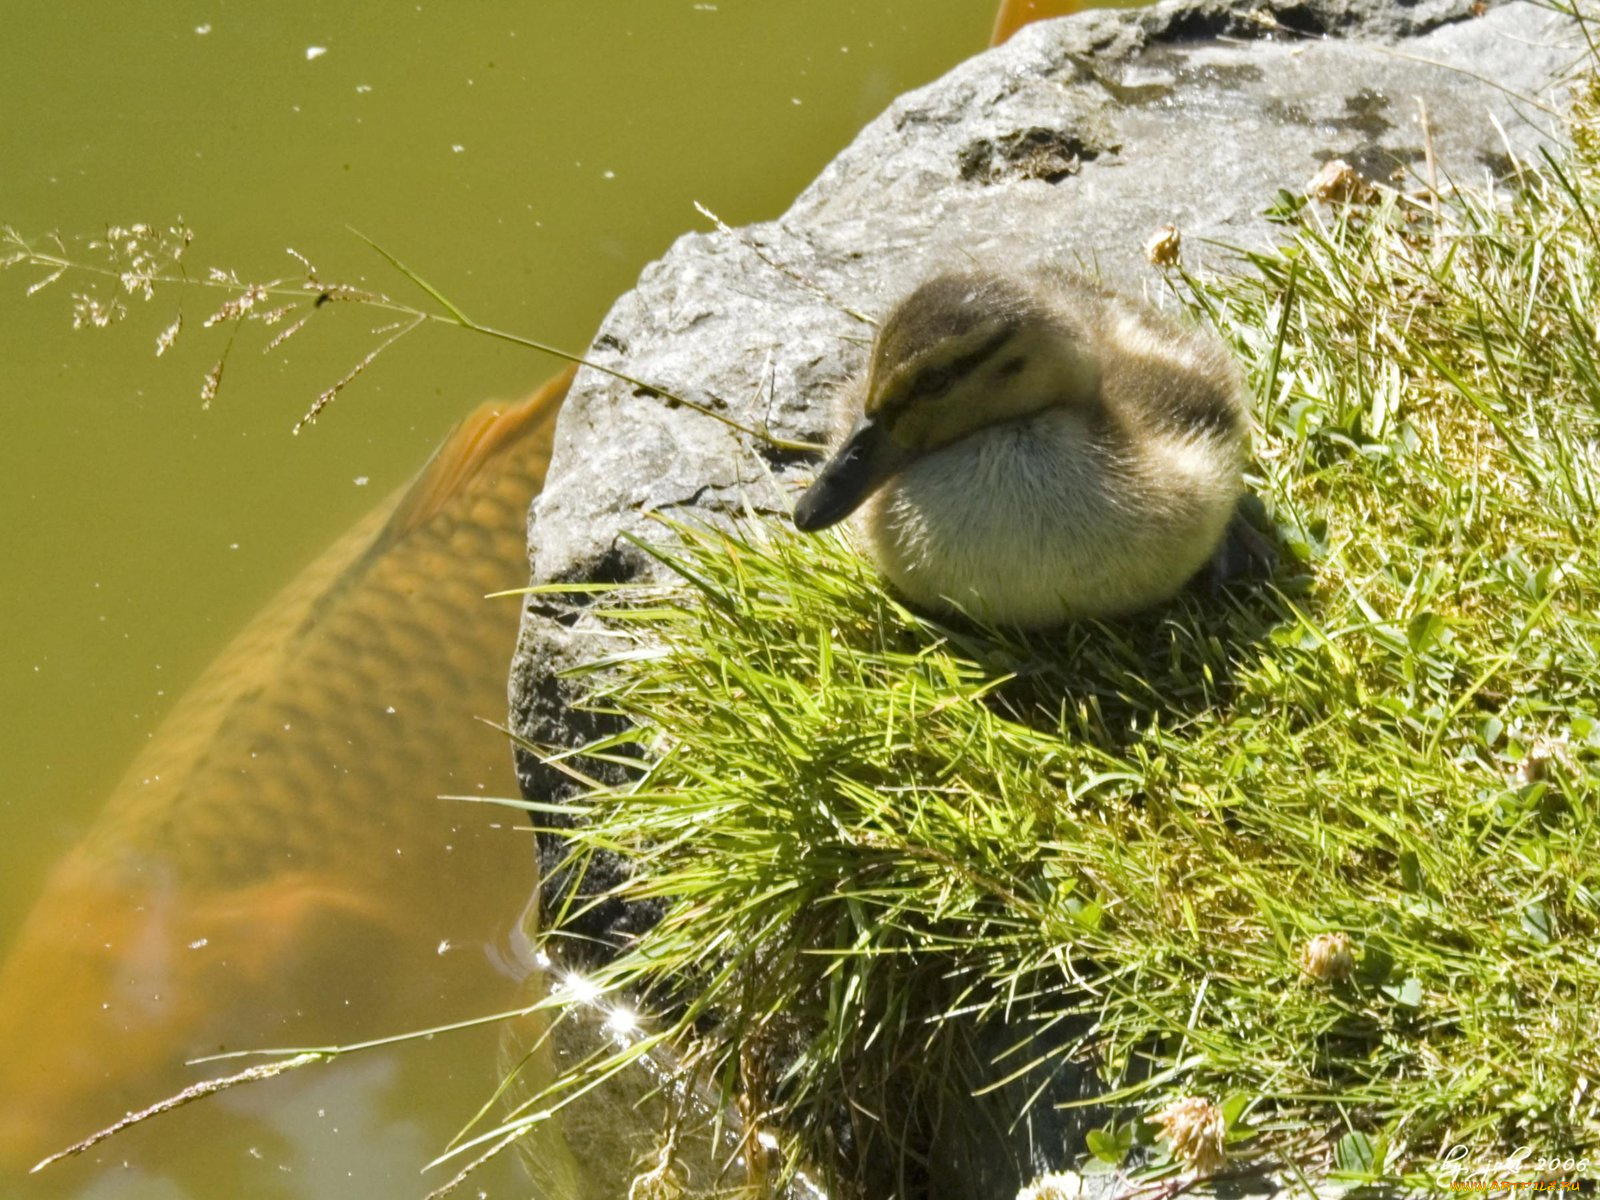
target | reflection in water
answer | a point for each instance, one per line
(650, 1130)
(276, 868)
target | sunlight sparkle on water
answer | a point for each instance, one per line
(580, 988)
(623, 1022)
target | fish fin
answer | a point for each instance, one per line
(478, 440)
(285, 901)
(1014, 14)
(269, 927)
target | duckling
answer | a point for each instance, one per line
(1033, 449)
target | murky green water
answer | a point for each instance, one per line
(526, 159)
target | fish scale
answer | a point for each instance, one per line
(341, 672)
(276, 866)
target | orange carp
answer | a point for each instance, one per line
(277, 868)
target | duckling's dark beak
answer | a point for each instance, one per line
(856, 470)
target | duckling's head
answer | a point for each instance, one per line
(964, 352)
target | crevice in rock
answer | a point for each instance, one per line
(1034, 153)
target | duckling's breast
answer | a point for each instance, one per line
(1037, 522)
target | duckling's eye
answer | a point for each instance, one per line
(933, 381)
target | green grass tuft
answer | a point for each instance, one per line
(874, 834)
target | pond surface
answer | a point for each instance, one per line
(527, 160)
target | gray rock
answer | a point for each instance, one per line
(1073, 142)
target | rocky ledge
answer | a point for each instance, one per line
(1075, 142)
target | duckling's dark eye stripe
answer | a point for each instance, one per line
(935, 380)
